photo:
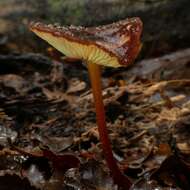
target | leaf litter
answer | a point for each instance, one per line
(49, 138)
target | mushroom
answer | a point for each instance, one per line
(112, 45)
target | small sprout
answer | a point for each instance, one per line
(112, 45)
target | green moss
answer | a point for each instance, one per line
(67, 11)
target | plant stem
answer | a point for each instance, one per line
(95, 78)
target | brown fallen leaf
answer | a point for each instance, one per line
(76, 86)
(173, 173)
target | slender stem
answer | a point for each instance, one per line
(95, 78)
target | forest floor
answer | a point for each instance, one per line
(48, 133)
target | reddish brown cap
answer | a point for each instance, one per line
(113, 45)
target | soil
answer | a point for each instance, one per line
(48, 133)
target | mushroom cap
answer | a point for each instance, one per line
(114, 45)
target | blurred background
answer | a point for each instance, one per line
(47, 104)
(166, 22)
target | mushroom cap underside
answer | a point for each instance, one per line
(113, 45)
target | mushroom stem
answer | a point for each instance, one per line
(95, 78)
